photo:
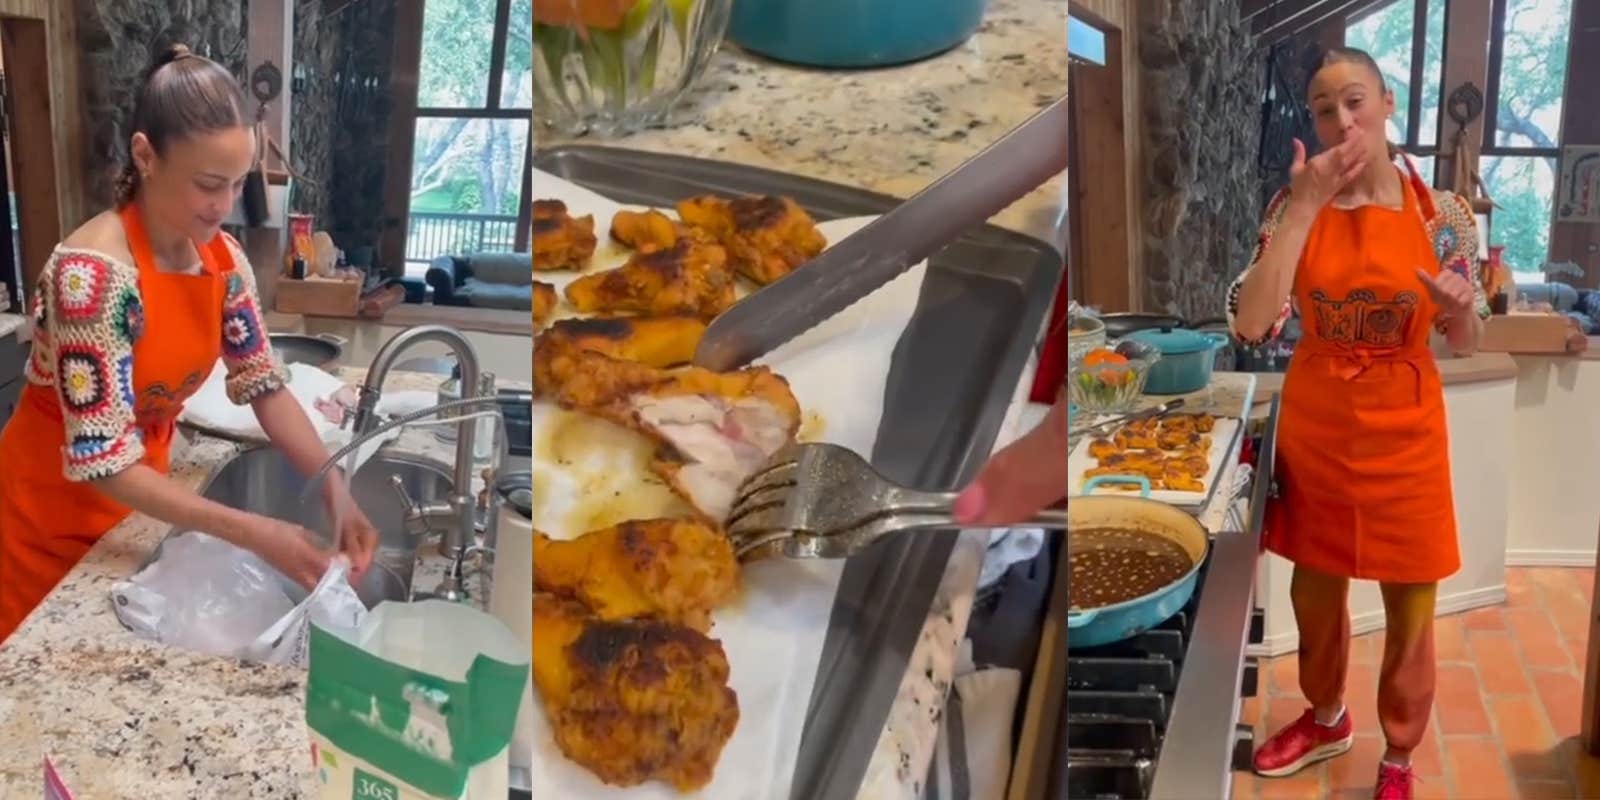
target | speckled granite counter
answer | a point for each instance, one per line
(123, 717)
(889, 130)
(11, 323)
(893, 131)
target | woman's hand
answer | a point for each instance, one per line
(291, 550)
(1313, 184)
(358, 537)
(1451, 293)
(1022, 479)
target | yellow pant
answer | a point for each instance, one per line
(1406, 678)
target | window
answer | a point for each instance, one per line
(1411, 58)
(1522, 120)
(472, 146)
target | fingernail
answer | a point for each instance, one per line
(970, 503)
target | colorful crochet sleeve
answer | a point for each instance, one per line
(87, 315)
(1269, 225)
(253, 368)
(1455, 241)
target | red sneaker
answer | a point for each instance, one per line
(1303, 743)
(1394, 782)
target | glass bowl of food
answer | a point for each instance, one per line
(1108, 380)
(615, 66)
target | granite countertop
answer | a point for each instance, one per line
(11, 323)
(889, 130)
(123, 717)
(893, 131)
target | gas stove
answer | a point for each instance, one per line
(1155, 717)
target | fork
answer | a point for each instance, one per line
(820, 500)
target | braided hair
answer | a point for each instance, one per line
(183, 94)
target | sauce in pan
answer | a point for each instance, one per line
(1111, 565)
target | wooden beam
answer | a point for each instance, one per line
(1317, 13)
(1101, 242)
(270, 40)
(1107, 15)
(24, 43)
(403, 87)
(1466, 60)
(1580, 125)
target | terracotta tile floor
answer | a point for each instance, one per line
(1506, 715)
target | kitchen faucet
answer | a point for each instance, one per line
(454, 518)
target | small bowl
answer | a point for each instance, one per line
(1099, 388)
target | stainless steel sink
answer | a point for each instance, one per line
(262, 481)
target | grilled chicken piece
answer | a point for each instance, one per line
(686, 278)
(632, 701)
(652, 341)
(645, 231)
(559, 240)
(545, 301)
(673, 570)
(715, 429)
(766, 237)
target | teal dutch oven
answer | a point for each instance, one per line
(1187, 358)
(853, 33)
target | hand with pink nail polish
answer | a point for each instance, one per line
(1024, 478)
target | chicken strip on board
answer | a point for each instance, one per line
(766, 237)
(715, 429)
(673, 570)
(687, 278)
(545, 301)
(561, 241)
(652, 341)
(632, 701)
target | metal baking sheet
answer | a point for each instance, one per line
(953, 375)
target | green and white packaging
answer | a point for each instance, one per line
(418, 703)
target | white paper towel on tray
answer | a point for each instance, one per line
(773, 634)
(211, 408)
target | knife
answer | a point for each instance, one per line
(859, 264)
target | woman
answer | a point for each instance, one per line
(130, 315)
(1375, 261)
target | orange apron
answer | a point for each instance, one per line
(47, 522)
(1363, 453)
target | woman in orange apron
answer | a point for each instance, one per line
(130, 315)
(1375, 261)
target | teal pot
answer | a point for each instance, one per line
(1187, 358)
(1092, 627)
(853, 33)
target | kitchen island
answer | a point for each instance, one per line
(120, 716)
(892, 131)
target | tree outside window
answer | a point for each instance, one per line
(472, 146)
(1528, 74)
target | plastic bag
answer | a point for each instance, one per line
(207, 595)
(419, 703)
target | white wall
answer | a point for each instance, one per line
(1480, 436)
(509, 357)
(1555, 462)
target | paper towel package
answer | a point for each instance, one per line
(418, 703)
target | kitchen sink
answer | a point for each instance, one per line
(263, 481)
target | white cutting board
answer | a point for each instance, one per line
(774, 632)
(1223, 434)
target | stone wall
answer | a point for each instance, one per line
(339, 87)
(1201, 84)
(117, 40)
